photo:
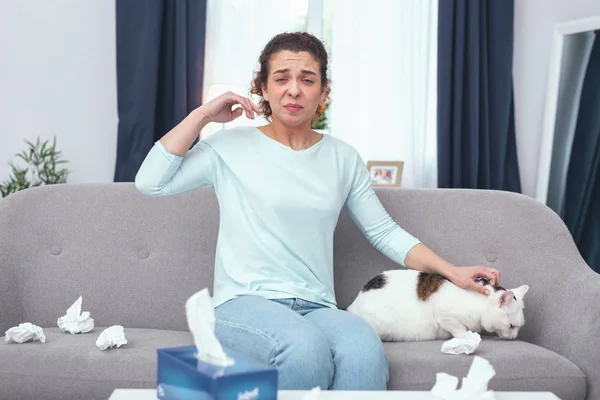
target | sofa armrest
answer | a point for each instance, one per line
(11, 306)
(568, 322)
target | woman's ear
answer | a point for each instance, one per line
(265, 96)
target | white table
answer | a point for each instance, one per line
(150, 394)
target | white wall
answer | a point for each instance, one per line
(57, 77)
(534, 21)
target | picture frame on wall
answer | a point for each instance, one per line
(385, 173)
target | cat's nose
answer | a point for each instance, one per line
(508, 335)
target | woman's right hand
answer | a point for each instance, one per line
(220, 109)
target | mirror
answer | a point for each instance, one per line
(574, 44)
(569, 171)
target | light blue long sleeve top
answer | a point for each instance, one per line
(278, 210)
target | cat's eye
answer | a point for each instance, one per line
(512, 326)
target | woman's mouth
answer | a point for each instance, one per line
(293, 107)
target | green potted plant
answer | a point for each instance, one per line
(42, 162)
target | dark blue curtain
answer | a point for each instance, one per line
(160, 67)
(476, 130)
(581, 206)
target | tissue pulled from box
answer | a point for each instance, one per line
(75, 321)
(314, 394)
(474, 385)
(24, 333)
(110, 337)
(201, 322)
(466, 345)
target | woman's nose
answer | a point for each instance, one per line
(294, 89)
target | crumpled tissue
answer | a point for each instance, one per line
(110, 337)
(23, 333)
(75, 321)
(314, 394)
(466, 345)
(474, 385)
(201, 322)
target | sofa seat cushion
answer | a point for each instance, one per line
(519, 366)
(73, 365)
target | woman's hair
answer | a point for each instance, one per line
(295, 42)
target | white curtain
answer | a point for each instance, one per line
(383, 65)
(236, 32)
(384, 83)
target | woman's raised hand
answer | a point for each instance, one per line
(220, 109)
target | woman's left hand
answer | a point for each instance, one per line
(464, 277)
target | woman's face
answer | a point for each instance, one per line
(294, 87)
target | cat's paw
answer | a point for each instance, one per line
(460, 335)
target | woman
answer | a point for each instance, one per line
(281, 188)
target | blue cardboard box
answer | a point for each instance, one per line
(181, 376)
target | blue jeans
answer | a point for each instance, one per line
(309, 344)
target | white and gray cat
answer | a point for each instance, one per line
(408, 305)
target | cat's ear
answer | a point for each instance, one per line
(520, 291)
(507, 299)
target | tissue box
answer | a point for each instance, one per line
(182, 376)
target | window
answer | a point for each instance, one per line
(383, 66)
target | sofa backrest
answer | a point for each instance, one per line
(136, 259)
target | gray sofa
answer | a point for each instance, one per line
(136, 259)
